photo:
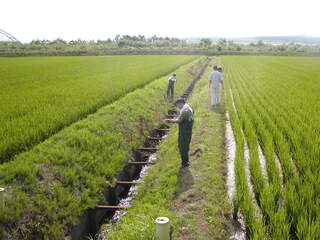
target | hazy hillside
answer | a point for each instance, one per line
(308, 40)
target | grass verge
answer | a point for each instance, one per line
(195, 199)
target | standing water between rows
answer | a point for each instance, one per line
(238, 231)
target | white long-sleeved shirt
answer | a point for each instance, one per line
(215, 78)
(172, 78)
(185, 107)
(186, 113)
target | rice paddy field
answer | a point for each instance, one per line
(274, 109)
(41, 95)
(69, 126)
(49, 187)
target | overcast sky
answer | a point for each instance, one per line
(100, 19)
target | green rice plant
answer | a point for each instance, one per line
(280, 97)
(42, 95)
(259, 181)
(243, 200)
(269, 208)
(56, 181)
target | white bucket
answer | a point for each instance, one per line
(162, 228)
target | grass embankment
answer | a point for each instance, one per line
(195, 198)
(50, 186)
(41, 95)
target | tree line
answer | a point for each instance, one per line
(140, 44)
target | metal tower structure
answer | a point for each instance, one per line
(8, 36)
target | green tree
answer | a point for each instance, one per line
(260, 43)
(222, 41)
(205, 42)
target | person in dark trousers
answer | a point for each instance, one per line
(185, 121)
(170, 90)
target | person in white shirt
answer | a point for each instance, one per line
(170, 90)
(215, 80)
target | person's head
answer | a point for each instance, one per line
(215, 68)
(174, 75)
(179, 103)
(220, 69)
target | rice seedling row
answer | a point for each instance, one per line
(243, 201)
(276, 97)
(267, 193)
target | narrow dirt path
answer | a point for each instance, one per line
(194, 199)
(200, 203)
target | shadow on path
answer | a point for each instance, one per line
(218, 109)
(185, 181)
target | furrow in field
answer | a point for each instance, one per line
(265, 139)
(296, 183)
(276, 158)
(244, 201)
(261, 187)
(287, 159)
(254, 163)
(246, 158)
(291, 124)
(231, 154)
(300, 191)
(281, 147)
(266, 119)
(262, 161)
(278, 131)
